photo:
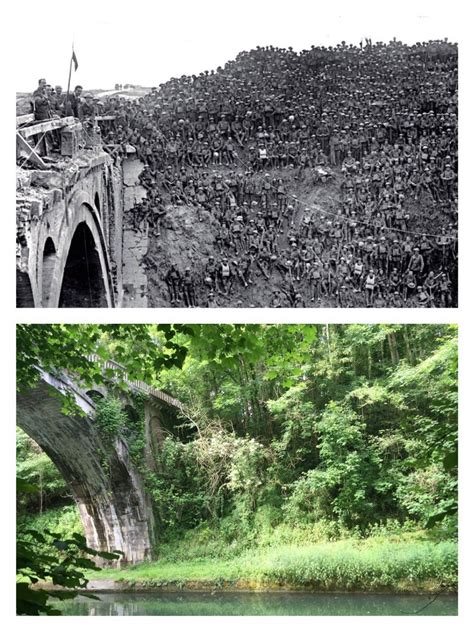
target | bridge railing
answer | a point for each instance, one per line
(137, 384)
(39, 127)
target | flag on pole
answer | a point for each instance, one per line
(74, 59)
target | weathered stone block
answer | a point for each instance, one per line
(23, 179)
(70, 139)
(46, 179)
(57, 195)
(36, 208)
(92, 137)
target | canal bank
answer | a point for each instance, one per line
(369, 565)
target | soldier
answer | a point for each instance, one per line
(382, 255)
(237, 229)
(73, 102)
(42, 104)
(173, 281)
(40, 89)
(226, 274)
(211, 272)
(212, 300)
(448, 177)
(395, 300)
(409, 285)
(87, 109)
(314, 279)
(188, 288)
(416, 264)
(369, 288)
(394, 281)
(358, 274)
(422, 297)
(57, 101)
(445, 299)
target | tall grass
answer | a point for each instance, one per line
(348, 565)
(359, 565)
(318, 556)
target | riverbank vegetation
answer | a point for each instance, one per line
(318, 456)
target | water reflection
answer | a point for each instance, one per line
(254, 604)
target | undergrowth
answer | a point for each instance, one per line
(319, 556)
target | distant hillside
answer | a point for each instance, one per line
(24, 105)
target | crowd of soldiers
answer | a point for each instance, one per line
(49, 102)
(377, 123)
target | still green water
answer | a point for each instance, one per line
(254, 604)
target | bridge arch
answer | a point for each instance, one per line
(114, 508)
(95, 395)
(24, 290)
(97, 203)
(83, 273)
(47, 270)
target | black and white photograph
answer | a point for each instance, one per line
(245, 157)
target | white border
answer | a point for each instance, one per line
(9, 41)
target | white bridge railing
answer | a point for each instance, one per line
(137, 384)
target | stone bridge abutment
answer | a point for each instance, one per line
(115, 510)
(72, 249)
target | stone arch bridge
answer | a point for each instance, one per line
(72, 248)
(113, 504)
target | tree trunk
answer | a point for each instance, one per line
(406, 339)
(392, 345)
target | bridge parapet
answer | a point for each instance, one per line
(73, 249)
(36, 139)
(54, 200)
(137, 384)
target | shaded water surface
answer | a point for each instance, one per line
(254, 604)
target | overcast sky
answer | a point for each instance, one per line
(146, 43)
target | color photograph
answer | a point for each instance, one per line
(237, 470)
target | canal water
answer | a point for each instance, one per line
(255, 604)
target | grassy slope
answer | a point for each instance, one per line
(311, 556)
(371, 564)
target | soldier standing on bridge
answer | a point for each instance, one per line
(43, 103)
(73, 102)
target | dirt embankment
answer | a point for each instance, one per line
(188, 239)
(239, 585)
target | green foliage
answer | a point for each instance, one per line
(299, 558)
(343, 485)
(110, 419)
(349, 566)
(179, 494)
(65, 567)
(41, 483)
(292, 433)
(429, 491)
(143, 350)
(297, 443)
(195, 480)
(64, 521)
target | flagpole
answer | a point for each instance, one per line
(68, 84)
